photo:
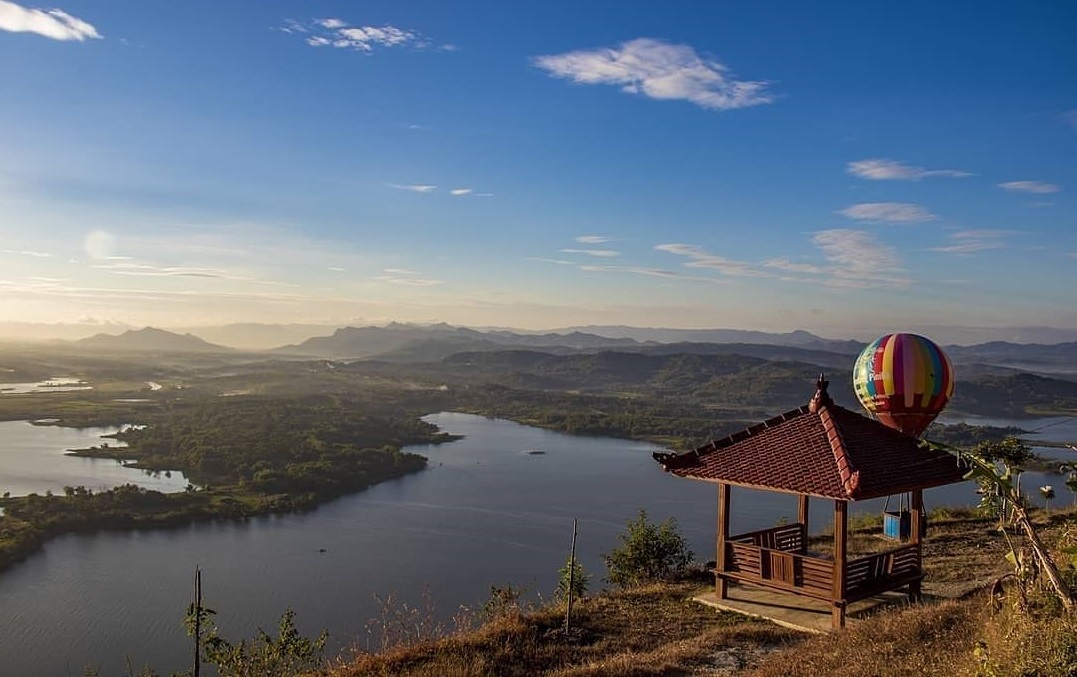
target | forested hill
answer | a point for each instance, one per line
(735, 382)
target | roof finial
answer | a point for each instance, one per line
(822, 397)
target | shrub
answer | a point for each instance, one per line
(580, 579)
(648, 552)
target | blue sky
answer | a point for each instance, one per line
(845, 167)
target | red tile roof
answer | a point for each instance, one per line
(822, 450)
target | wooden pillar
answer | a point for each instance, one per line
(723, 532)
(802, 517)
(916, 535)
(841, 528)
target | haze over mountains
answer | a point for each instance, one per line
(265, 336)
(151, 339)
(408, 343)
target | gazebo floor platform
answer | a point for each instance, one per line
(790, 611)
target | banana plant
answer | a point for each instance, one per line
(980, 464)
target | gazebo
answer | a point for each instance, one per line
(826, 451)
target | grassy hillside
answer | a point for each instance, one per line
(656, 630)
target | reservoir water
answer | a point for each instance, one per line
(33, 460)
(485, 512)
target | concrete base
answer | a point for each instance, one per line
(798, 613)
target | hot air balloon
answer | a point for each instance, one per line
(904, 381)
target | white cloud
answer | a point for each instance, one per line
(335, 269)
(338, 34)
(409, 281)
(601, 253)
(794, 267)
(882, 169)
(593, 239)
(888, 212)
(699, 258)
(858, 259)
(560, 262)
(38, 255)
(414, 188)
(1038, 187)
(658, 70)
(968, 242)
(460, 191)
(400, 271)
(52, 23)
(650, 272)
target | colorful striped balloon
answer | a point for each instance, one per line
(904, 380)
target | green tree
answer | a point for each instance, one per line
(287, 654)
(648, 552)
(579, 577)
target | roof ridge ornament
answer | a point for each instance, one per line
(822, 397)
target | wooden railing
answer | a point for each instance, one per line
(775, 558)
(881, 571)
(778, 568)
(787, 538)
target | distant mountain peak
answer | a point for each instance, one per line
(151, 339)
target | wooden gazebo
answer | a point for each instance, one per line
(829, 452)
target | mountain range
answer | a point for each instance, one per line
(409, 343)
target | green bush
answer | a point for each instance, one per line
(648, 552)
(580, 579)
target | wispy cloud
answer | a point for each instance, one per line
(335, 269)
(337, 33)
(640, 270)
(414, 188)
(658, 70)
(39, 255)
(888, 212)
(881, 169)
(559, 262)
(967, 242)
(461, 191)
(1037, 187)
(794, 266)
(700, 258)
(53, 23)
(407, 277)
(123, 265)
(602, 253)
(857, 259)
(593, 239)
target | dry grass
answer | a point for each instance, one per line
(655, 630)
(922, 640)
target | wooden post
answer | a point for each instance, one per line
(197, 621)
(841, 527)
(571, 574)
(916, 535)
(720, 584)
(802, 517)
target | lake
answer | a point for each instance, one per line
(54, 385)
(485, 512)
(32, 460)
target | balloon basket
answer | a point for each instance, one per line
(897, 525)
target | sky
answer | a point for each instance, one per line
(848, 168)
